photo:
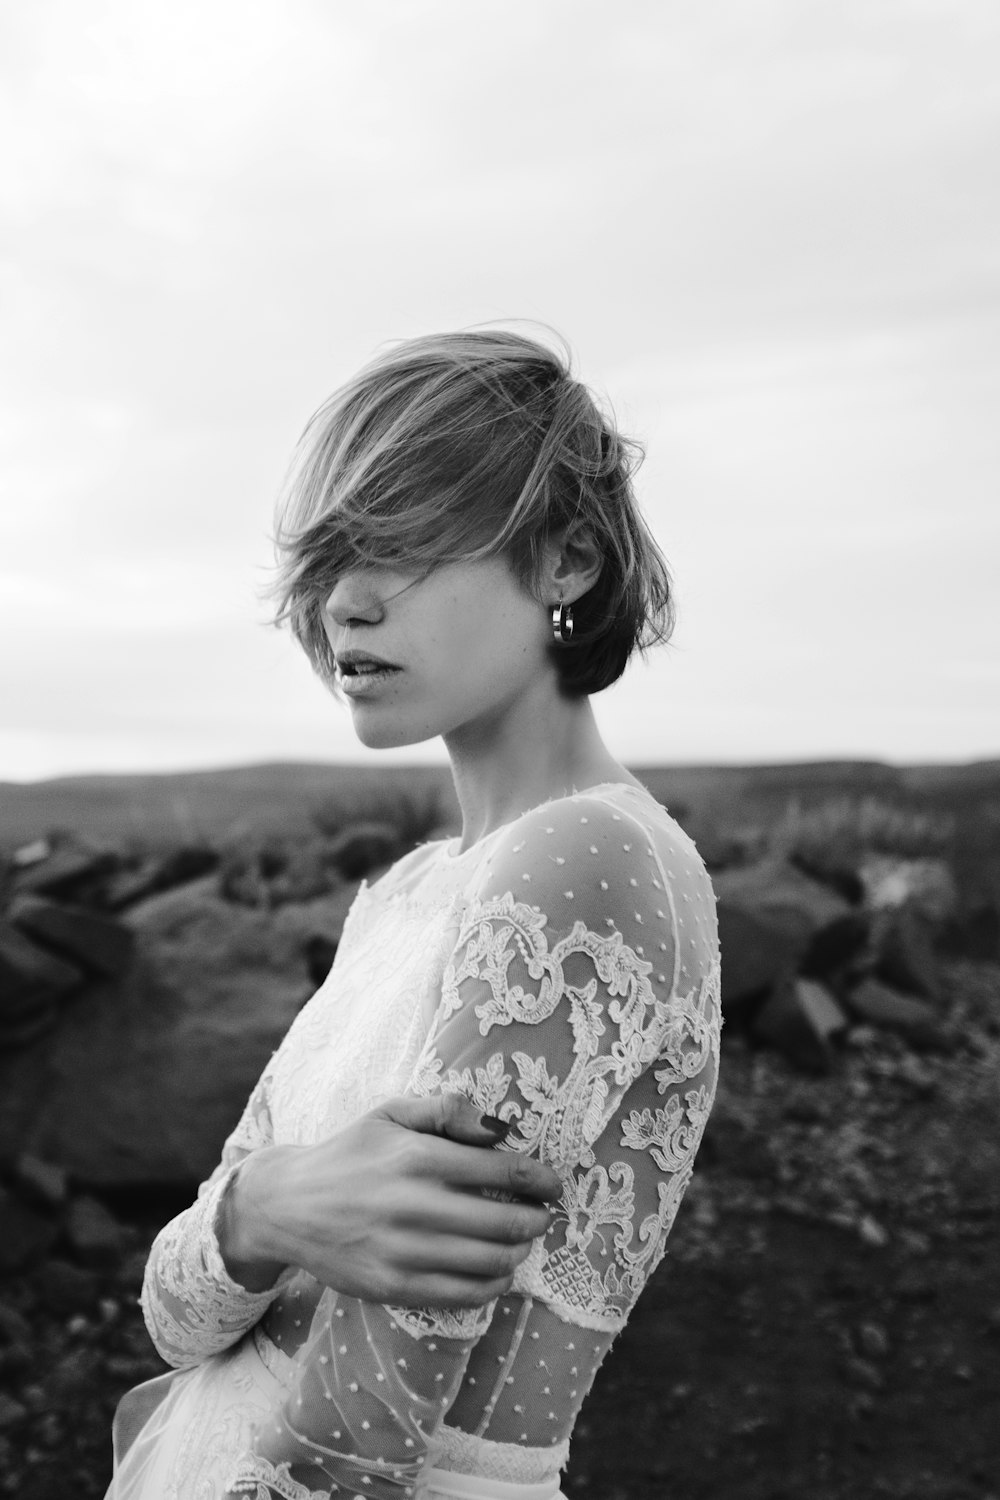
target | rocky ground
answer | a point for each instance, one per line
(826, 1324)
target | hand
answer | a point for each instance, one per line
(391, 1208)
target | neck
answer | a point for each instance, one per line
(542, 747)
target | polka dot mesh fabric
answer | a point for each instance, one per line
(563, 974)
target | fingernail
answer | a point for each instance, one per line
(499, 1128)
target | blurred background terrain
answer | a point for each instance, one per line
(827, 1312)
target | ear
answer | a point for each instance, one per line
(572, 564)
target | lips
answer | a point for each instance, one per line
(362, 663)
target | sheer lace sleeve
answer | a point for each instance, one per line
(581, 1003)
(191, 1304)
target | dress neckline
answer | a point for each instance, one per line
(453, 854)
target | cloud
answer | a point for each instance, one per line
(767, 230)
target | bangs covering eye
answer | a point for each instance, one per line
(463, 446)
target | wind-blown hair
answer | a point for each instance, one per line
(461, 446)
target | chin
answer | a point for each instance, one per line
(388, 736)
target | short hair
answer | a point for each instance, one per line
(460, 446)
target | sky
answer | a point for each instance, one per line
(769, 229)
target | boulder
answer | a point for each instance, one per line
(878, 1005)
(755, 955)
(65, 1289)
(904, 952)
(974, 932)
(94, 1234)
(96, 944)
(32, 981)
(40, 1182)
(160, 872)
(127, 887)
(799, 1018)
(775, 891)
(834, 950)
(362, 848)
(832, 868)
(926, 885)
(65, 869)
(27, 1234)
(319, 955)
(148, 1073)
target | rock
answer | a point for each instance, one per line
(879, 1005)
(131, 1269)
(27, 1235)
(97, 945)
(799, 1018)
(171, 1050)
(131, 1367)
(93, 1233)
(184, 864)
(755, 955)
(835, 948)
(319, 954)
(21, 1031)
(14, 1326)
(319, 922)
(67, 868)
(125, 887)
(11, 1411)
(921, 1079)
(914, 1284)
(72, 1372)
(40, 1182)
(773, 890)
(31, 980)
(862, 1372)
(832, 869)
(926, 885)
(873, 1341)
(974, 932)
(805, 1109)
(31, 854)
(362, 848)
(904, 955)
(871, 1232)
(64, 1288)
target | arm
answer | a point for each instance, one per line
(381, 1210)
(571, 1035)
(193, 1306)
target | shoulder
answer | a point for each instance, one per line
(611, 858)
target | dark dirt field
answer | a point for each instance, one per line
(826, 1324)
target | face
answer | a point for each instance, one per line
(452, 653)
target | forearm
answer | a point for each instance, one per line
(193, 1302)
(246, 1226)
(368, 1399)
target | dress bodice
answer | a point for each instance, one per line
(562, 973)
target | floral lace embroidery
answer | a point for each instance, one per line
(191, 1305)
(561, 1119)
(251, 1475)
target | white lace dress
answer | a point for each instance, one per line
(563, 973)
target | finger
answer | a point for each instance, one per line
(426, 1115)
(503, 1170)
(471, 1215)
(450, 1291)
(456, 1255)
(465, 1123)
(451, 1115)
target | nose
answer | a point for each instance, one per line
(354, 600)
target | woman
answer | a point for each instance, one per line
(460, 554)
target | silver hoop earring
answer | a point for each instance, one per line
(562, 623)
